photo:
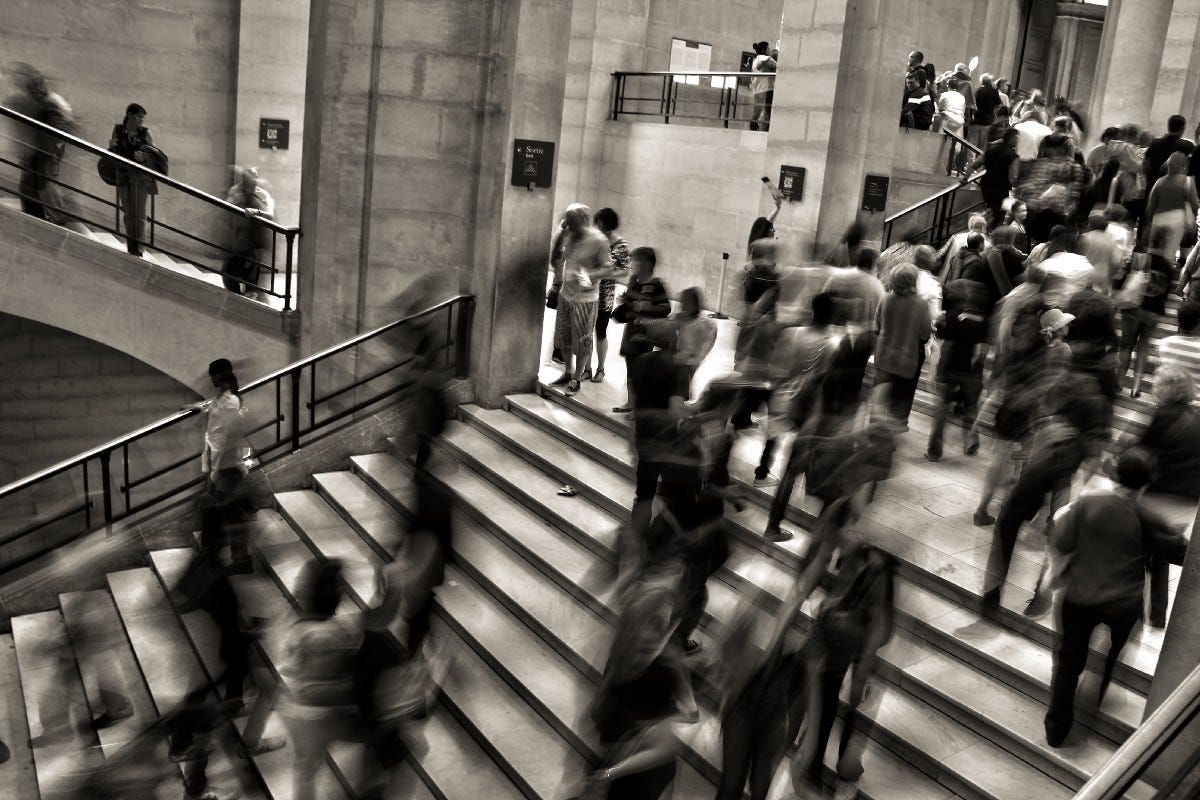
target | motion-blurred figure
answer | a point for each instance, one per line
(40, 195)
(250, 239)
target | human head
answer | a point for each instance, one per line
(29, 79)
(867, 257)
(577, 217)
(1056, 145)
(952, 83)
(822, 309)
(975, 241)
(1176, 124)
(691, 300)
(1011, 137)
(1017, 211)
(760, 229)
(761, 48)
(854, 235)
(1062, 124)
(1110, 133)
(1173, 386)
(1096, 221)
(1177, 164)
(916, 58)
(1037, 98)
(1002, 85)
(1189, 317)
(986, 79)
(221, 373)
(1135, 468)
(643, 260)
(1054, 324)
(248, 177)
(135, 110)
(915, 80)
(1004, 236)
(925, 257)
(319, 588)
(1003, 113)
(1062, 240)
(607, 220)
(961, 69)
(977, 222)
(904, 279)
(1116, 214)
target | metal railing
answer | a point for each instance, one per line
(715, 97)
(172, 227)
(934, 219)
(1153, 759)
(289, 407)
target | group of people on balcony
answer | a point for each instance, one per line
(40, 188)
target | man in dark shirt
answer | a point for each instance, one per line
(660, 388)
(1104, 539)
(962, 328)
(987, 100)
(918, 105)
(1161, 149)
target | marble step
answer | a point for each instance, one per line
(931, 555)
(275, 768)
(18, 776)
(451, 745)
(526, 586)
(1004, 655)
(104, 655)
(65, 747)
(170, 668)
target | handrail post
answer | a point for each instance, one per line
(462, 341)
(151, 242)
(106, 480)
(294, 375)
(287, 278)
(616, 102)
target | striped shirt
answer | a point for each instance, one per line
(1182, 351)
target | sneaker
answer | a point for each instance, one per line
(1038, 606)
(768, 480)
(971, 446)
(219, 794)
(572, 387)
(982, 518)
(932, 456)
(622, 409)
(778, 536)
(266, 744)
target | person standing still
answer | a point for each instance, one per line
(128, 139)
(607, 222)
(586, 261)
(763, 88)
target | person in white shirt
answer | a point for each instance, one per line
(952, 108)
(695, 333)
(1031, 131)
(762, 87)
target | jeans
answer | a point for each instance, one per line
(955, 386)
(1070, 657)
(900, 391)
(133, 195)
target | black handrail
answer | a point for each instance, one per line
(111, 224)
(942, 201)
(1151, 738)
(665, 103)
(287, 437)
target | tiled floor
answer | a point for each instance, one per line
(931, 503)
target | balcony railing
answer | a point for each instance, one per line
(937, 217)
(183, 224)
(284, 410)
(713, 97)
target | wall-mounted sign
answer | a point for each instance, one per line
(746, 65)
(273, 133)
(533, 163)
(875, 192)
(690, 56)
(791, 182)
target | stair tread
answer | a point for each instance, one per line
(347, 492)
(18, 776)
(889, 529)
(450, 745)
(166, 660)
(274, 767)
(53, 695)
(102, 650)
(908, 718)
(333, 536)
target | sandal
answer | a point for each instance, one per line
(572, 387)
(622, 410)
(599, 376)
(587, 375)
(567, 490)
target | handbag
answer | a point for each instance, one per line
(552, 298)
(1134, 290)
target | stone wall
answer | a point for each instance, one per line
(178, 59)
(690, 193)
(63, 394)
(730, 26)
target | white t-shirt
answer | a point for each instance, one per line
(1031, 132)
(762, 64)
(953, 108)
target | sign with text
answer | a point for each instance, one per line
(875, 192)
(746, 65)
(533, 163)
(273, 133)
(791, 182)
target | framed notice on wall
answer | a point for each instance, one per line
(690, 56)
(875, 192)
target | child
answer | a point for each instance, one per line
(645, 299)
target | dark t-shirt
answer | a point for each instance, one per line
(654, 379)
(1159, 283)
(1173, 436)
(1159, 151)
(986, 101)
(623, 710)
(997, 160)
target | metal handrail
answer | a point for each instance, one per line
(665, 105)
(941, 200)
(962, 141)
(84, 144)
(1147, 741)
(660, 73)
(288, 403)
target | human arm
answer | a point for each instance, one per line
(658, 748)
(1152, 201)
(1189, 269)
(970, 169)
(1162, 538)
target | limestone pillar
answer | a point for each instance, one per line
(1178, 81)
(511, 238)
(1131, 53)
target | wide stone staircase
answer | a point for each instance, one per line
(525, 618)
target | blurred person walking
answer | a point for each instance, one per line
(904, 326)
(1172, 205)
(962, 329)
(40, 195)
(224, 461)
(1002, 166)
(1143, 303)
(695, 333)
(250, 239)
(1182, 350)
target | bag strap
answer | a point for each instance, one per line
(998, 274)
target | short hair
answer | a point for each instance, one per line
(951, 82)
(977, 222)
(761, 48)
(1110, 133)
(220, 366)
(1003, 111)
(134, 108)
(1004, 235)
(822, 308)
(975, 241)
(645, 254)
(1057, 143)
(867, 258)
(924, 257)
(1011, 135)
(1096, 221)
(904, 279)
(920, 56)
(607, 218)
(1189, 317)
(1173, 386)
(1176, 123)
(693, 293)
(319, 588)
(1116, 213)
(1135, 468)
(986, 79)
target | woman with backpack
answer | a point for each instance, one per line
(132, 140)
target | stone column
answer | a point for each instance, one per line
(1131, 53)
(1178, 78)
(512, 224)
